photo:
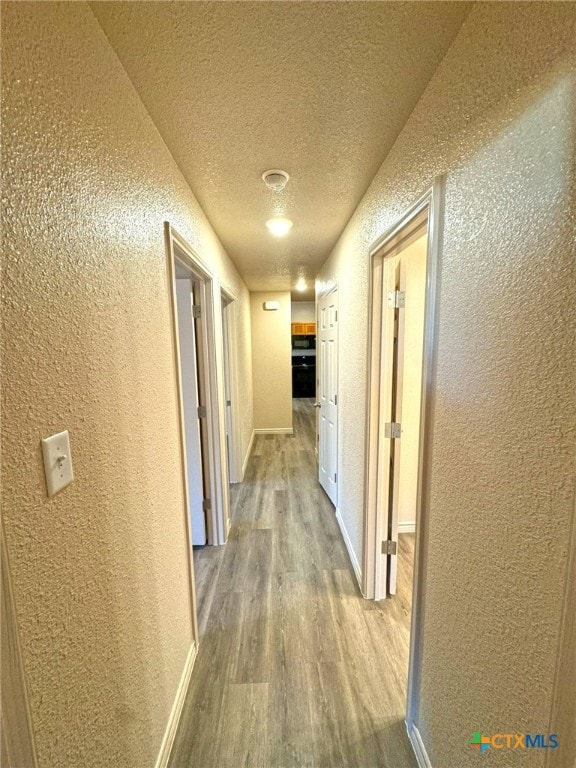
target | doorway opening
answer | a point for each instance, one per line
(203, 451)
(403, 277)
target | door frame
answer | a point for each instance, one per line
(431, 201)
(18, 746)
(177, 249)
(230, 318)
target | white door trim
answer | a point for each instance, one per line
(18, 746)
(432, 202)
(178, 249)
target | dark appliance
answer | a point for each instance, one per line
(303, 374)
(303, 342)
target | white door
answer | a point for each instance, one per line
(327, 360)
(402, 342)
(386, 447)
(393, 285)
(227, 385)
(396, 414)
(189, 373)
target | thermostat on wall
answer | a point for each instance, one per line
(269, 306)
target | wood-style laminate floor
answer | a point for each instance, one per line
(295, 668)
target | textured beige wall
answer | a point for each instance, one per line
(303, 312)
(498, 118)
(100, 569)
(271, 361)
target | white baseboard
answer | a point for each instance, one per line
(174, 719)
(418, 746)
(275, 431)
(407, 527)
(350, 549)
(247, 457)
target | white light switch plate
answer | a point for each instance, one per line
(57, 462)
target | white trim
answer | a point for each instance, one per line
(418, 747)
(18, 743)
(176, 711)
(275, 431)
(409, 526)
(171, 286)
(377, 450)
(349, 548)
(373, 564)
(248, 453)
(178, 249)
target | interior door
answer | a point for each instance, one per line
(201, 382)
(327, 360)
(189, 374)
(227, 385)
(385, 453)
(403, 292)
(396, 413)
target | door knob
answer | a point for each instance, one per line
(317, 405)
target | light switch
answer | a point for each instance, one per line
(57, 462)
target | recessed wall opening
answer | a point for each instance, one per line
(203, 449)
(404, 263)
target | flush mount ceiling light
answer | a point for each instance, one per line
(279, 227)
(275, 180)
(301, 285)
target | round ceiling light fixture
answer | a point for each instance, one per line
(301, 285)
(279, 227)
(275, 180)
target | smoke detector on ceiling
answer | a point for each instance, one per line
(275, 180)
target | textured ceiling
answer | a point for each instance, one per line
(319, 89)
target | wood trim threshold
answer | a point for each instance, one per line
(418, 746)
(177, 707)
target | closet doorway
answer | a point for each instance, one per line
(191, 290)
(403, 287)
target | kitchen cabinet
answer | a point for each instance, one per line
(303, 329)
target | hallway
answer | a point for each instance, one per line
(294, 667)
(276, 151)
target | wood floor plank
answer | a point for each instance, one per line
(295, 668)
(241, 734)
(207, 562)
(251, 664)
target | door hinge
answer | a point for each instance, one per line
(335, 476)
(335, 399)
(202, 412)
(393, 430)
(397, 299)
(228, 402)
(336, 316)
(389, 547)
(206, 505)
(196, 311)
